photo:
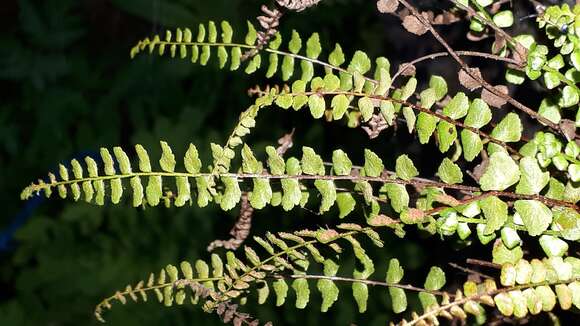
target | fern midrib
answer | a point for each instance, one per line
(269, 50)
(319, 62)
(37, 187)
(251, 112)
(352, 178)
(370, 282)
(512, 225)
(151, 288)
(414, 106)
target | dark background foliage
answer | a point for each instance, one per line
(68, 87)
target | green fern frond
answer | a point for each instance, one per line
(525, 287)
(182, 43)
(520, 186)
(224, 155)
(288, 182)
(326, 98)
(350, 79)
(544, 150)
(292, 175)
(93, 187)
(234, 278)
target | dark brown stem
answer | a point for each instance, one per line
(489, 23)
(510, 149)
(479, 79)
(433, 56)
(545, 200)
(368, 282)
(484, 263)
(470, 271)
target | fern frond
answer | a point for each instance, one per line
(543, 151)
(233, 279)
(528, 287)
(183, 44)
(524, 287)
(351, 83)
(224, 155)
(325, 99)
(292, 174)
(288, 182)
(172, 285)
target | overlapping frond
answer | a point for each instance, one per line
(293, 260)
(287, 255)
(289, 183)
(325, 97)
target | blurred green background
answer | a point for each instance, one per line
(68, 87)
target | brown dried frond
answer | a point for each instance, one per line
(375, 126)
(499, 43)
(568, 128)
(413, 25)
(445, 18)
(297, 5)
(469, 82)
(387, 6)
(269, 21)
(198, 289)
(520, 54)
(229, 313)
(285, 143)
(477, 36)
(259, 91)
(495, 100)
(407, 69)
(241, 229)
(480, 168)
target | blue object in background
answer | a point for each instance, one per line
(7, 235)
